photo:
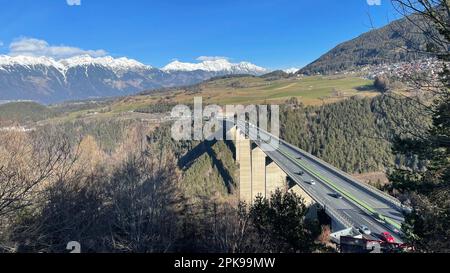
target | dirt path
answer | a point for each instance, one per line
(286, 87)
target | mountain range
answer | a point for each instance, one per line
(47, 80)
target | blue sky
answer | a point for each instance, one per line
(269, 33)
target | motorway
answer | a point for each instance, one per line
(360, 203)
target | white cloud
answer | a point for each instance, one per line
(73, 2)
(36, 47)
(211, 58)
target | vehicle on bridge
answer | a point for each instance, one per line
(387, 237)
(365, 230)
(312, 182)
(337, 195)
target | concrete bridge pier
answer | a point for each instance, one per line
(258, 172)
(275, 179)
(300, 192)
(237, 137)
(245, 173)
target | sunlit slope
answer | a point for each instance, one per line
(252, 90)
(315, 90)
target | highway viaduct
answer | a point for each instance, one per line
(348, 202)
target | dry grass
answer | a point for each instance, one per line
(374, 178)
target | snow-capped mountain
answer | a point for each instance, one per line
(119, 64)
(292, 70)
(64, 65)
(217, 66)
(48, 80)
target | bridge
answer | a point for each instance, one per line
(265, 167)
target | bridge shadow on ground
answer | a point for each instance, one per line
(206, 147)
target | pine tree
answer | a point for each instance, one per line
(428, 190)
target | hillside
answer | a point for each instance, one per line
(354, 135)
(396, 42)
(23, 112)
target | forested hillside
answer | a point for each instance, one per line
(354, 135)
(23, 112)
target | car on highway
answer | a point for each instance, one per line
(312, 182)
(387, 237)
(337, 195)
(364, 230)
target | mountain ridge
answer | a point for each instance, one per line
(216, 66)
(399, 41)
(47, 80)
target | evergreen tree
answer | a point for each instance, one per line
(281, 224)
(428, 190)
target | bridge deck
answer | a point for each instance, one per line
(358, 205)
